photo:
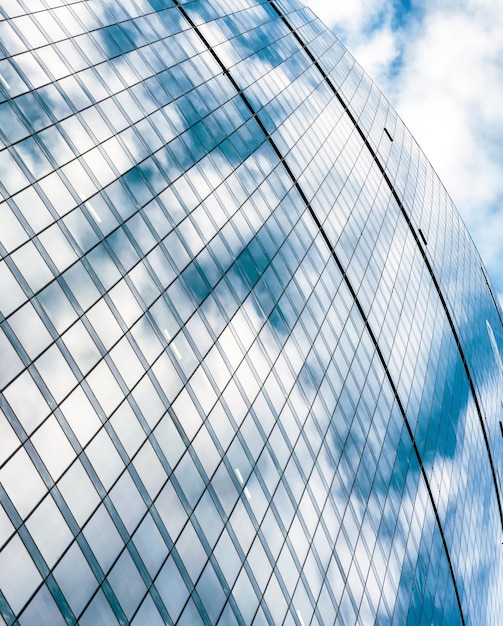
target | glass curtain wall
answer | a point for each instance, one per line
(250, 361)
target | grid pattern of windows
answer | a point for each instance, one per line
(250, 364)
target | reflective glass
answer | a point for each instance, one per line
(250, 361)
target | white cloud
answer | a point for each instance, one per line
(364, 27)
(351, 17)
(442, 69)
(377, 51)
(448, 91)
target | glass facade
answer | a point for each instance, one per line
(250, 361)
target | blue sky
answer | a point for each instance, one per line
(440, 63)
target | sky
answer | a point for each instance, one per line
(440, 63)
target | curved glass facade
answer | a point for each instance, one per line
(251, 363)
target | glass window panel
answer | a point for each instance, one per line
(141, 233)
(189, 479)
(203, 390)
(57, 192)
(75, 578)
(81, 346)
(99, 612)
(33, 158)
(79, 492)
(99, 166)
(275, 599)
(18, 575)
(22, 482)
(103, 538)
(287, 569)
(105, 387)
(228, 558)
(12, 234)
(209, 518)
(233, 398)
(49, 530)
(11, 175)
(56, 373)
(150, 470)
(104, 323)
(171, 510)
(149, 402)
(211, 593)
(128, 502)
(190, 615)
(15, 84)
(242, 526)
(33, 209)
(71, 87)
(206, 451)
(6, 526)
(10, 363)
(32, 107)
(10, 123)
(30, 330)
(168, 378)
(191, 552)
(172, 588)
(27, 402)
(126, 361)
(169, 440)
(32, 266)
(79, 179)
(42, 610)
(128, 428)
(81, 416)
(82, 286)
(157, 218)
(105, 459)
(144, 283)
(259, 563)
(188, 414)
(123, 248)
(221, 425)
(164, 318)
(126, 303)
(30, 28)
(127, 584)
(114, 115)
(150, 544)
(147, 339)
(245, 596)
(100, 216)
(11, 293)
(58, 247)
(53, 446)
(96, 126)
(148, 614)
(56, 145)
(57, 306)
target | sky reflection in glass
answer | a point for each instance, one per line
(236, 384)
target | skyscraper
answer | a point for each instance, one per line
(250, 359)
